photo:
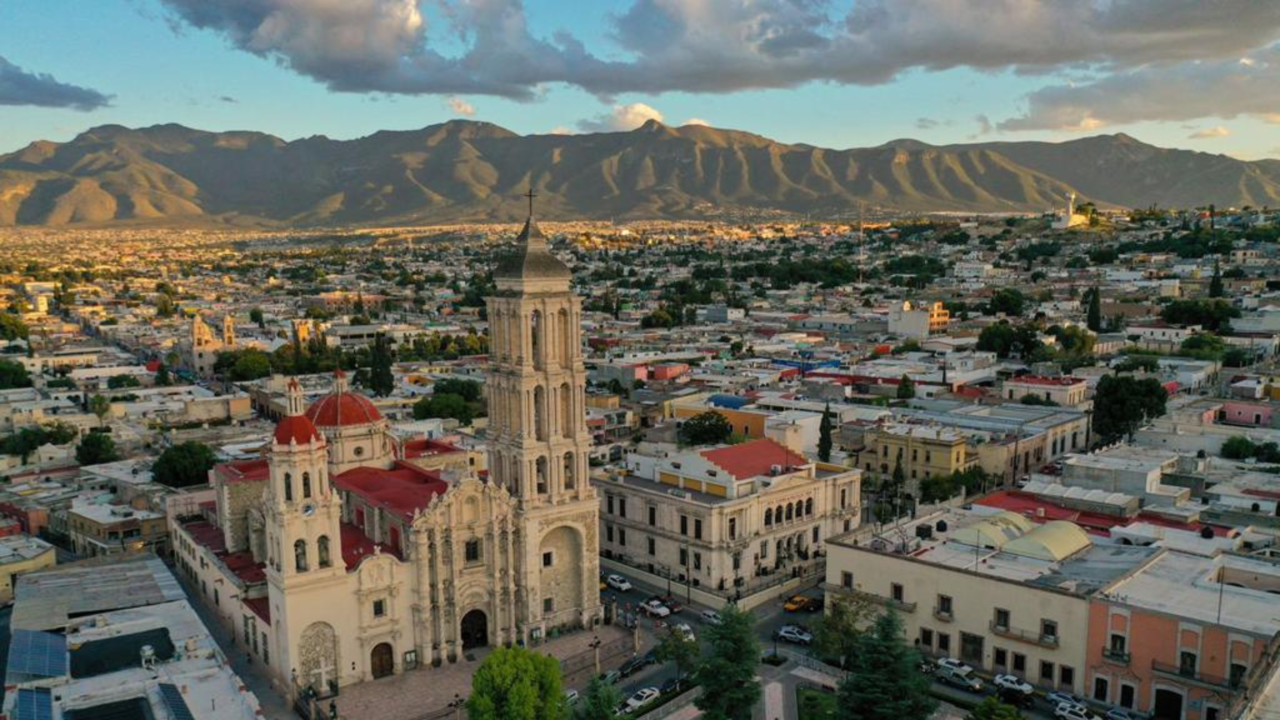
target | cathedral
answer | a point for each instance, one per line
(348, 554)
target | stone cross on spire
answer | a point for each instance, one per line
(531, 195)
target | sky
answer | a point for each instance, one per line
(1196, 74)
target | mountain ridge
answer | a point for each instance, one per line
(464, 170)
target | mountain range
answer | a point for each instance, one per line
(475, 171)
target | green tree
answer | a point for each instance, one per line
(1009, 301)
(100, 405)
(1005, 340)
(706, 428)
(885, 682)
(468, 389)
(1215, 284)
(250, 364)
(12, 327)
(1237, 447)
(118, 382)
(13, 375)
(678, 649)
(1093, 317)
(255, 316)
(824, 435)
(840, 630)
(381, 381)
(516, 683)
(727, 675)
(992, 709)
(443, 405)
(906, 388)
(1215, 314)
(96, 448)
(184, 465)
(163, 378)
(1122, 403)
(600, 701)
(164, 306)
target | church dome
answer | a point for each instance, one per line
(343, 408)
(296, 428)
(532, 260)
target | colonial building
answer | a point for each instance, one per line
(348, 554)
(199, 351)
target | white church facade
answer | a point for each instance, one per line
(347, 554)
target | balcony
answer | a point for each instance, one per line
(1112, 655)
(943, 615)
(1026, 636)
(1194, 677)
(870, 597)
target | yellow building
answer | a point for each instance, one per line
(20, 554)
(923, 451)
(116, 530)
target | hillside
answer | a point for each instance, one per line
(464, 170)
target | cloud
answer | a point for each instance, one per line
(985, 127)
(1209, 133)
(561, 130)
(697, 121)
(621, 118)
(717, 46)
(19, 87)
(1176, 93)
(461, 107)
(227, 99)
(926, 123)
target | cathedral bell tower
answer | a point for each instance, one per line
(538, 441)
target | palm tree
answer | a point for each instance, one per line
(100, 406)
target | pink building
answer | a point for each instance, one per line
(1245, 413)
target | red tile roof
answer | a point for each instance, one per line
(401, 490)
(1096, 523)
(341, 409)
(752, 459)
(423, 446)
(243, 471)
(206, 535)
(1041, 380)
(260, 607)
(356, 546)
(296, 428)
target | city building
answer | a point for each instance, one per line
(21, 554)
(95, 529)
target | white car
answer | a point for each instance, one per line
(710, 617)
(654, 608)
(1058, 697)
(640, 698)
(954, 664)
(1014, 683)
(793, 634)
(1071, 711)
(619, 583)
(570, 696)
(685, 631)
(1119, 713)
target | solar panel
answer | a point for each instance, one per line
(34, 705)
(175, 702)
(39, 654)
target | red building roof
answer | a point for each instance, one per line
(243, 471)
(356, 546)
(342, 409)
(260, 607)
(420, 447)
(752, 459)
(400, 490)
(296, 428)
(1052, 381)
(1041, 510)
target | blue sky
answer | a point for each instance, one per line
(912, 68)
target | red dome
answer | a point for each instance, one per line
(295, 428)
(342, 409)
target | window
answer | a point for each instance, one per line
(846, 580)
(322, 551)
(1049, 629)
(697, 561)
(895, 591)
(844, 494)
(1211, 713)
(1238, 672)
(548, 559)
(1002, 618)
(764, 549)
(1001, 657)
(1118, 644)
(300, 556)
(1046, 671)
(472, 550)
(808, 506)
(944, 604)
(306, 485)
(737, 562)
(608, 501)
(1127, 695)
(1187, 663)
(816, 534)
(379, 608)
(733, 528)
(1101, 688)
(608, 533)
(926, 637)
(684, 524)
(697, 528)
(622, 537)
(548, 605)
(622, 507)
(653, 546)
(288, 487)
(1066, 676)
(653, 515)
(684, 557)
(944, 643)
(1019, 663)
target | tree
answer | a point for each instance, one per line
(13, 375)
(163, 378)
(96, 448)
(443, 405)
(1093, 318)
(381, 381)
(707, 428)
(255, 316)
(164, 306)
(906, 388)
(184, 465)
(516, 683)
(677, 648)
(885, 682)
(992, 709)
(1215, 284)
(1004, 340)
(1237, 447)
(12, 327)
(468, 389)
(1009, 301)
(727, 675)
(824, 435)
(250, 364)
(100, 405)
(600, 701)
(1122, 403)
(840, 630)
(119, 382)
(1215, 314)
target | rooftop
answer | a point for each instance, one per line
(401, 490)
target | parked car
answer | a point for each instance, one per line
(1057, 697)
(710, 617)
(633, 666)
(815, 604)
(796, 603)
(686, 631)
(619, 583)
(1071, 711)
(641, 697)
(670, 601)
(1012, 682)
(610, 677)
(794, 634)
(962, 677)
(1120, 713)
(953, 664)
(670, 685)
(1016, 698)
(654, 608)
(570, 696)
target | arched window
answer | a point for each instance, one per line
(540, 473)
(540, 412)
(322, 551)
(300, 555)
(790, 512)
(288, 487)
(306, 485)
(768, 517)
(808, 506)
(567, 421)
(799, 510)
(535, 336)
(777, 514)
(570, 472)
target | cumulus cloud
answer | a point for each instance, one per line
(461, 107)
(621, 118)
(19, 87)
(697, 121)
(1210, 133)
(1177, 92)
(724, 45)
(561, 130)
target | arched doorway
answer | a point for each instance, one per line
(475, 630)
(382, 661)
(1168, 705)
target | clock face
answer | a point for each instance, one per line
(308, 509)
